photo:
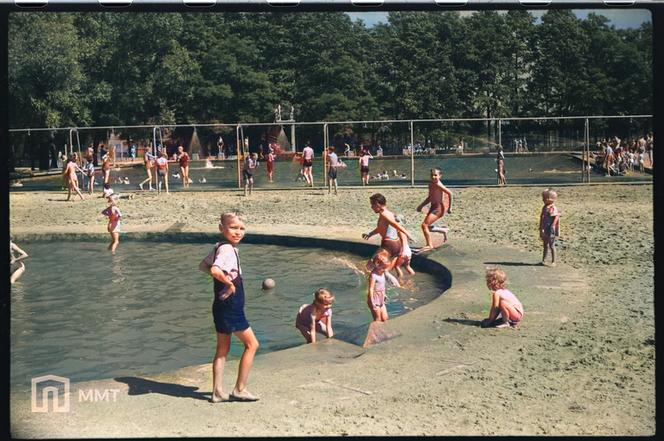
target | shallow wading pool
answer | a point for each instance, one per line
(81, 313)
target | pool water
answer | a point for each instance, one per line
(467, 170)
(81, 313)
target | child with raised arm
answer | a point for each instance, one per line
(113, 213)
(332, 165)
(16, 267)
(387, 227)
(506, 310)
(317, 316)
(437, 208)
(148, 161)
(376, 286)
(406, 253)
(250, 165)
(549, 225)
(223, 264)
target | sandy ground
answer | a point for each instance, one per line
(582, 363)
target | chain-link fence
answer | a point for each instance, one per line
(537, 150)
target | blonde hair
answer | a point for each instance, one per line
(549, 194)
(323, 296)
(495, 278)
(226, 217)
(382, 254)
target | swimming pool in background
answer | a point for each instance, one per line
(546, 169)
(81, 313)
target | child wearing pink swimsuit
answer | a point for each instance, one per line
(316, 317)
(376, 288)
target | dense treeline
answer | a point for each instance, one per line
(84, 69)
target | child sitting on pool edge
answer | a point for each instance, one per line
(506, 310)
(317, 316)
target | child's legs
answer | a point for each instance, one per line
(223, 345)
(116, 240)
(306, 333)
(508, 311)
(428, 220)
(383, 313)
(250, 342)
(107, 175)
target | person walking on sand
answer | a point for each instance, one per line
(162, 169)
(16, 267)
(500, 166)
(269, 162)
(437, 207)
(70, 176)
(387, 227)
(549, 225)
(250, 165)
(89, 170)
(149, 162)
(505, 310)
(332, 166)
(183, 160)
(307, 164)
(106, 168)
(113, 213)
(316, 317)
(376, 286)
(223, 264)
(364, 166)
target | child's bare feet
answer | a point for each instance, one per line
(219, 397)
(245, 395)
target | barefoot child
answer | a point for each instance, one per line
(162, 169)
(436, 209)
(406, 253)
(506, 310)
(332, 165)
(250, 165)
(549, 225)
(376, 288)
(114, 215)
(364, 166)
(148, 161)
(317, 316)
(183, 160)
(70, 176)
(387, 227)
(223, 264)
(307, 164)
(270, 163)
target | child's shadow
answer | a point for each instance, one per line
(513, 263)
(466, 322)
(141, 386)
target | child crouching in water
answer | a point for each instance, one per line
(506, 310)
(114, 215)
(376, 290)
(317, 316)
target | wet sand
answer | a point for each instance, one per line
(582, 363)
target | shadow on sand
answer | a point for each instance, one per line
(513, 263)
(142, 386)
(466, 322)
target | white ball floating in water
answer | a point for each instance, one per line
(268, 284)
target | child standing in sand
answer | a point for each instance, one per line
(317, 316)
(332, 166)
(148, 162)
(183, 160)
(250, 165)
(436, 209)
(70, 176)
(307, 164)
(162, 169)
(364, 166)
(269, 162)
(114, 215)
(376, 288)
(549, 225)
(387, 227)
(223, 264)
(506, 310)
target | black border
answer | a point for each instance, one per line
(7, 6)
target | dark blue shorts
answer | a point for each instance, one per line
(229, 314)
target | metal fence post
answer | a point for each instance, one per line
(412, 155)
(500, 133)
(588, 149)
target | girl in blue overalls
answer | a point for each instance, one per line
(223, 264)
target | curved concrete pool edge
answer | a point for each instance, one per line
(432, 340)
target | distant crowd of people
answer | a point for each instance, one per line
(617, 157)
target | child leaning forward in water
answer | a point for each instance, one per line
(506, 310)
(223, 264)
(317, 316)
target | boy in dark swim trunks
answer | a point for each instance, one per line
(436, 209)
(387, 227)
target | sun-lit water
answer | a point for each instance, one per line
(82, 313)
(467, 170)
